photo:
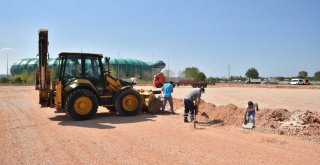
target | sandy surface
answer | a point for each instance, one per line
(31, 135)
(291, 99)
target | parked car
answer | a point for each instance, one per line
(298, 81)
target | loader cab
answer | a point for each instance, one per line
(83, 68)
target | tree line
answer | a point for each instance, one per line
(252, 73)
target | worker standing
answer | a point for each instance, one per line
(167, 96)
(251, 109)
(191, 103)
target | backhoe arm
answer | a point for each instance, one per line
(43, 72)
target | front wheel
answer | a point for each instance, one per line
(129, 102)
(81, 104)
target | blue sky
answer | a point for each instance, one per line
(278, 37)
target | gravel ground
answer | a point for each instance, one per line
(33, 135)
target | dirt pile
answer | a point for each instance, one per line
(281, 121)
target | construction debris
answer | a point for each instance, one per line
(280, 121)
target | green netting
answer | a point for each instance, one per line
(120, 67)
(32, 65)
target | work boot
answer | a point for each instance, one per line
(186, 121)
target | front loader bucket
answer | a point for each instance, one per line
(151, 103)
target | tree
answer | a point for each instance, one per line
(303, 74)
(200, 76)
(4, 80)
(23, 78)
(191, 72)
(194, 73)
(17, 79)
(317, 75)
(252, 73)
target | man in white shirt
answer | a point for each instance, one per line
(251, 109)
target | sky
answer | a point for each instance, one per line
(277, 37)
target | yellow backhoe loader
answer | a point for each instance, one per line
(84, 83)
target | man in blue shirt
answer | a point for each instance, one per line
(167, 90)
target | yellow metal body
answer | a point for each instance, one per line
(51, 94)
(58, 97)
(114, 84)
(76, 82)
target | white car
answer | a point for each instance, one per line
(296, 82)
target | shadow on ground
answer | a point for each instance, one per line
(211, 122)
(102, 120)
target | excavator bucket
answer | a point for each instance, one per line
(151, 103)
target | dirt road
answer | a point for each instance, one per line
(31, 135)
(291, 99)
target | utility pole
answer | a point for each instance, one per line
(229, 72)
(118, 72)
(169, 69)
(151, 67)
(7, 67)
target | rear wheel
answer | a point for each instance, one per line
(81, 104)
(128, 102)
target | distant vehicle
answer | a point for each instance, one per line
(253, 81)
(298, 81)
(270, 81)
(159, 80)
(134, 80)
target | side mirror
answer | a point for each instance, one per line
(106, 60)
(106, 63)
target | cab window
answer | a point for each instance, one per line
(92, 69)
(73, 68)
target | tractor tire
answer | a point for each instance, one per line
(128, 102)
(81, 104)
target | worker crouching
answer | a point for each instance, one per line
(251, 109)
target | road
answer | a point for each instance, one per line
(33, 135)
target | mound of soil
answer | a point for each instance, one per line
(281, 121)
